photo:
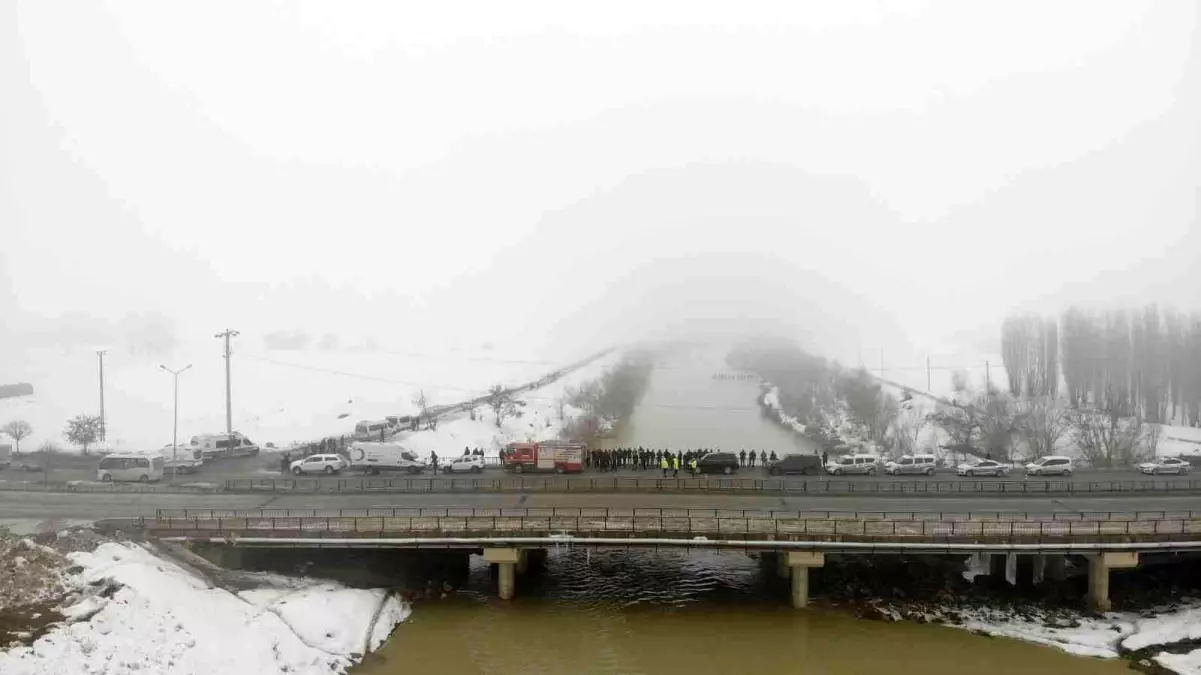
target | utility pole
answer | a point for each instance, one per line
(229, 411)
(175, 423)
(987, 380)
(101, 353)
(928, 389)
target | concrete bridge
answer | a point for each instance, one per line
(797, 540)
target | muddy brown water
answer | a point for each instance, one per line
(671, 611)
(655, 612)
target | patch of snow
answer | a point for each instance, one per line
(1185, 664)
(163, 619)
(1165, 629)
(1092, 637)
(1106, 637)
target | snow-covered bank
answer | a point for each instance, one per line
(1149, 635)
(542, 414)
(132, 611)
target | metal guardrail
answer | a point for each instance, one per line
(675, 485)
(560, 484)
(882, 530)
(677, 512)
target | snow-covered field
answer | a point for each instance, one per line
(278, 396)
(135, 612)
(1110, 636)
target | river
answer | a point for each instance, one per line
(656, 612)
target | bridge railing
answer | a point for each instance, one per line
(678, 512)
(841, 530)
(675, 485)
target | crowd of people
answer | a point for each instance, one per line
(644, 459)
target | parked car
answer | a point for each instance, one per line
(718, 462)
(327, 464)
(986, 467)
(1165, 465)
(854, 464)
(465, 464)
(912, 465)
(1053, 465)
(808, 465)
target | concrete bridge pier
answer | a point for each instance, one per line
(1098, 575)
(509, 563)
(799, 562)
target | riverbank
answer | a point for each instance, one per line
(1158, 627)
(122, 607)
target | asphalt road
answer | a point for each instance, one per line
(25, 506)
(268, 466)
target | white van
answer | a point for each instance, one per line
(854, 464)
(373, 458)
(369, 430)
(224, 445)
(137, 468)
(183, 458)
(923, 465)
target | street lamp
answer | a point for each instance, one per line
(175, 426)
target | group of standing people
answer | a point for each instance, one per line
(643, 459)
(746, 459)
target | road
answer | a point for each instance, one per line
(267, 466)
(63, 506)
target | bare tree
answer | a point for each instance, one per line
(908, 431)
(17, 430)
(998, 424)
(501, 402)
(962, 424)
(422, 402)
(1041, 424)
(1150, 441)
(1105, 438)
(83, 430)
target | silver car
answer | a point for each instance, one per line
(986, 468)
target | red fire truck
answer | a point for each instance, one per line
(557, 456)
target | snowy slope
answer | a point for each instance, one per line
(539, 418)
(164, 619)
(278, 396)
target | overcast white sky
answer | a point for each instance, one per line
(944, 161)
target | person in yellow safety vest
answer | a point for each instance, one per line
(663, 465)
(692, 465)
(675, 466)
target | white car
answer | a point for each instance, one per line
(1054, 465)
(465, 464)
(987, 467)
(327, 464)
(1165, 465)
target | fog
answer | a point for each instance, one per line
(880, 179)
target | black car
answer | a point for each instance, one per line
(717, 462)
(809, 465)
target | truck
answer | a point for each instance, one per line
(373, 458)
(546, 456)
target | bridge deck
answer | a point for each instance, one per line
(635, 528)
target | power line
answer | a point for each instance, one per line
(411, 383)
